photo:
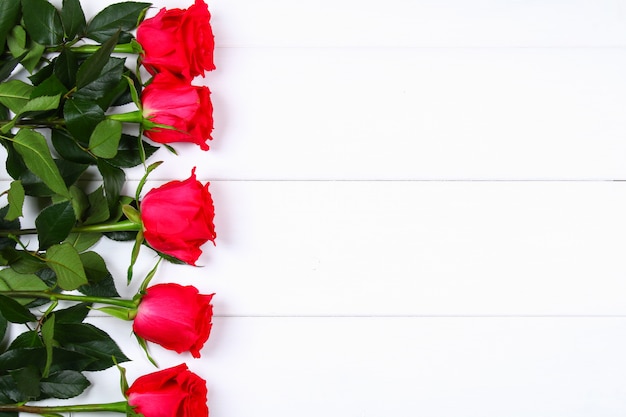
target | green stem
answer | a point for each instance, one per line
(36, 123)
(118, 407)
(122, 48)
(118, 302)
(123, 226)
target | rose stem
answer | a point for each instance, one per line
(119, 407)
(130, 304)
(123, 226)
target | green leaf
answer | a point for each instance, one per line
(81, 117)
(28, 339)
(34, 149)
(3, 328)
(14, 311)
(90, 70)
(116, 95)
(105, 138)
(69, 149)
(16, 41)
(14, 163)
(47, 276)
(128, 154)
(6, 68)
(83, 241)
(73, 18)
(80, 203)
(69, 360)
(20, 261)
(123, 16)
(35, 186)
(74, 314)
(98, 208)
(9, 393)
(18, 358)
(27, 381)
(11, 280)
(105, 84)
(47, 335)
(63, 359)
(42, 103)
(130, 93)
(54, 224)
(7, 225)
(101, 283)
(28, 52)
(9, 17)
(51, 86)
(16, 200)
(65, 262)
(42, 22)
(64, 384)
(90, 341)
(33, 57)
(15, 94)
(65, 68)
(45, 72)
(114, 179)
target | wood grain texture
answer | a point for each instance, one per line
(424, 23)
(325, 248)
(464, 367)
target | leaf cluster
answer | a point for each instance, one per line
(72, 85)
(48, 360)
(61, 77)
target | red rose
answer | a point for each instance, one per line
(187, 108)
(178, 218)
(178, 41)
(171, 392)
(174, 316)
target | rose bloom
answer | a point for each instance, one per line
(177, 218)
(174, 316)
(187, 108)
(178, 41)
(171, 392)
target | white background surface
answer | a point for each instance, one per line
(419, 211)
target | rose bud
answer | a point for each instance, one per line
(178, 41)
(171, 392)
(171, 102)
(177, 218)
(174, 316)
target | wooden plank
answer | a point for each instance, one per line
(408, 248)
(412, 114)
(440, 367)
(416, 23)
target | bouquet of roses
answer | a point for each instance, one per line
(71, 107)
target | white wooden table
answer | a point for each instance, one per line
(419, 206)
